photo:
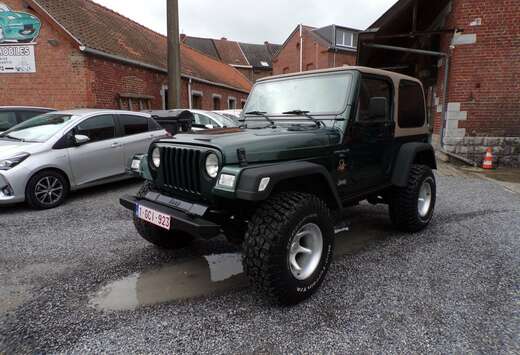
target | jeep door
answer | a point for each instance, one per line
(137, 133)
(370, 136)
(99, 158)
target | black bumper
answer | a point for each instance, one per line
(181, 221)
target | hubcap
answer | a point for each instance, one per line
(305, 252)
(425, 198)
(48, 190)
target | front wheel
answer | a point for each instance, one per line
(46, 189)
(411, 207)
(289, 246)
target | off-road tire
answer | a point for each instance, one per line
(268, 240)
(30, 189)
(403, 204)
(160, 237)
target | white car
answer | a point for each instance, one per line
(45, 157)
(233, 114)
(210, 120)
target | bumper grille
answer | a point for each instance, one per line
(180, 169)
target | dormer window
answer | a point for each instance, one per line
(345, 38)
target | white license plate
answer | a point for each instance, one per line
(152, 216)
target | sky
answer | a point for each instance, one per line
(253, 21)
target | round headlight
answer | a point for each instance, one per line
(212, 165)
(156, 157)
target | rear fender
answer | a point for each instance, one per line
(409, 154)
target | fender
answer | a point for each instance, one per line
(247, 188)
(412, 153)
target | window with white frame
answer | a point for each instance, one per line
(346, 38)
(232, 103)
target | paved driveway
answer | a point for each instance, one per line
(79, 279)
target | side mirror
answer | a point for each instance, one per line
(80, 139)
(378, 108)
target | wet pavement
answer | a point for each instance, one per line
(79, 279)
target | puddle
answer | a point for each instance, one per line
(207, 275)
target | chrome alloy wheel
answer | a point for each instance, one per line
(48, 190)
(305, 252)
(425, 198)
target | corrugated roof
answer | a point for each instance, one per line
(104, 30)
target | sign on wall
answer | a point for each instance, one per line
(17, 59)
(18, 32)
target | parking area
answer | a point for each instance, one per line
(79, 279)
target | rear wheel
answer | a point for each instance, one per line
(46, 189)
(411, 207)
(288, 246)
(156, 235)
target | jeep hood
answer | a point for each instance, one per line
(262, 144)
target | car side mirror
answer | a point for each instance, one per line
(81, 139)
(378, 108)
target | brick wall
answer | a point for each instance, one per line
(66, 78)
(484, 84)
(61, 72)
(315, 55)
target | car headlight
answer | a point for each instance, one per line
(7, 164)
(156, 157)
(212, 165)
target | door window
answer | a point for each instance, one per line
(7, 120)
(411, 105)
(98, 128)
(133, 124)
(372, 87)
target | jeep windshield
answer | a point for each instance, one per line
(316, 95)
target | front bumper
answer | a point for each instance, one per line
(185, 216)
(13, 181)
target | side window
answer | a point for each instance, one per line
(133, 124)
(153, 125)
(25, 115)
(411, 105)
(373, 87)
(98, 128)
(7, 120)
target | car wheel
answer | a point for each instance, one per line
(289, 246)
(47, 189)
(159, 237)
(411, 207)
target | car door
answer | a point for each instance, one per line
(102, 156)
(137, 133)
(370, 137)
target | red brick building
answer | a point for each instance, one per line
(89, 56)
(469, 64)
(309, 48)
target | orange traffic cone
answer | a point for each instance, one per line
(488, 159)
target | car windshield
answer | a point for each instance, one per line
(222, 120)
(37, 129)
(315, 94)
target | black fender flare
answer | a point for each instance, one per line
(412, 153)
(249, 181)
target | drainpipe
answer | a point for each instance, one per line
(444, 121)
(301, 47)
(189, 94)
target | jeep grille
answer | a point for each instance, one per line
(180, 169)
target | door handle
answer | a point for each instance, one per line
(115, 145)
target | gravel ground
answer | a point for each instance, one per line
(452, 288)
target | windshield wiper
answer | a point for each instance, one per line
(13, 138)
(261, 114)
(303, 113)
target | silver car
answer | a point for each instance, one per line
(45, 157)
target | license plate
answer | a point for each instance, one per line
(152, 216)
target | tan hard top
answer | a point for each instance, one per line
(393, 75)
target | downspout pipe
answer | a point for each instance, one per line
(301, 47)
(190, 99)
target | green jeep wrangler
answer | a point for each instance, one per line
(310, 145)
